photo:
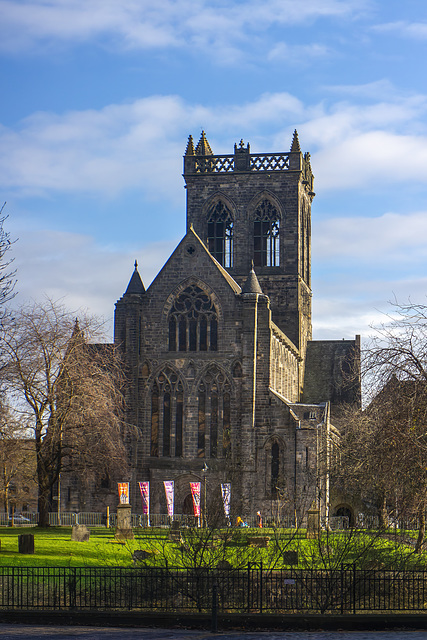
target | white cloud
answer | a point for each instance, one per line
(403, 28)
(133, 145)
(363, 160)
(75, 268)
(163, 24)
(139, 145)
(360, 265)
(297, 54)
(387, 239)
(347, 306)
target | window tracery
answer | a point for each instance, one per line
(220, 234)
(193, 322)
(266, 235)
(214, 416)
(167, 415)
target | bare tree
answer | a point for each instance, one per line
(7, 276)
(384, 447)
(17, 461)
(66, 391)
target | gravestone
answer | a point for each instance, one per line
(313, 523)
(26, 543)
(258, 541)
(80, 533)
(124, 523)
(290, 557)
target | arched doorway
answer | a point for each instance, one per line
(187, 506)
(346, 512)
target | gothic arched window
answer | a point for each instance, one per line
(266, 235)
(220, 234)
(275, 467)
(193, 322)
(214, 416)
(167, 415)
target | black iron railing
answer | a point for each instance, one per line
(254, 589)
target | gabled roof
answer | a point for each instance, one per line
(233, 284)
(192, 241)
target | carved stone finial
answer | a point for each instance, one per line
(295, 143)
(190, 147)
(203, 147)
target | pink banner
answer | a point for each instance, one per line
(169, 491)
(195, 492)
(226, 497)
(144, 488)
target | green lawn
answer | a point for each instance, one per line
(53, 547)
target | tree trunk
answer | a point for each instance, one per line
(421, 528)
(43, 498)
(383, 513)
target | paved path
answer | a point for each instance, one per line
(28, 632)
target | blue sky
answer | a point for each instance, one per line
(98, 100)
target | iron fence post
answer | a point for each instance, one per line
(354, 588)
(214, 628)
(249, 582)
(342, 588)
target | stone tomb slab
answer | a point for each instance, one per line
(80, 533)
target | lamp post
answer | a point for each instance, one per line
(205, 472)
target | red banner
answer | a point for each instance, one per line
(195, 492)
(144, 488)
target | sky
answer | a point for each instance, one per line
(98, 98)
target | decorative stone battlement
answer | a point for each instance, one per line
(231, 163)
(202, 161)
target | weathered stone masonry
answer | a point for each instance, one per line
(219, 347)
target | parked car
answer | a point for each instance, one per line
(19, 519)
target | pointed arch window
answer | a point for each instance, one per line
(193, 322)
(220, 234)
(266, 235)
(214, 416)
(275, 468)
(167, 415)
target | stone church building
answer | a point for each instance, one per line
(227, 384)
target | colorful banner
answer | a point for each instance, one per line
(144, 488)
(123, 492)
(195, 492)
(169, 491)
(226, 497)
